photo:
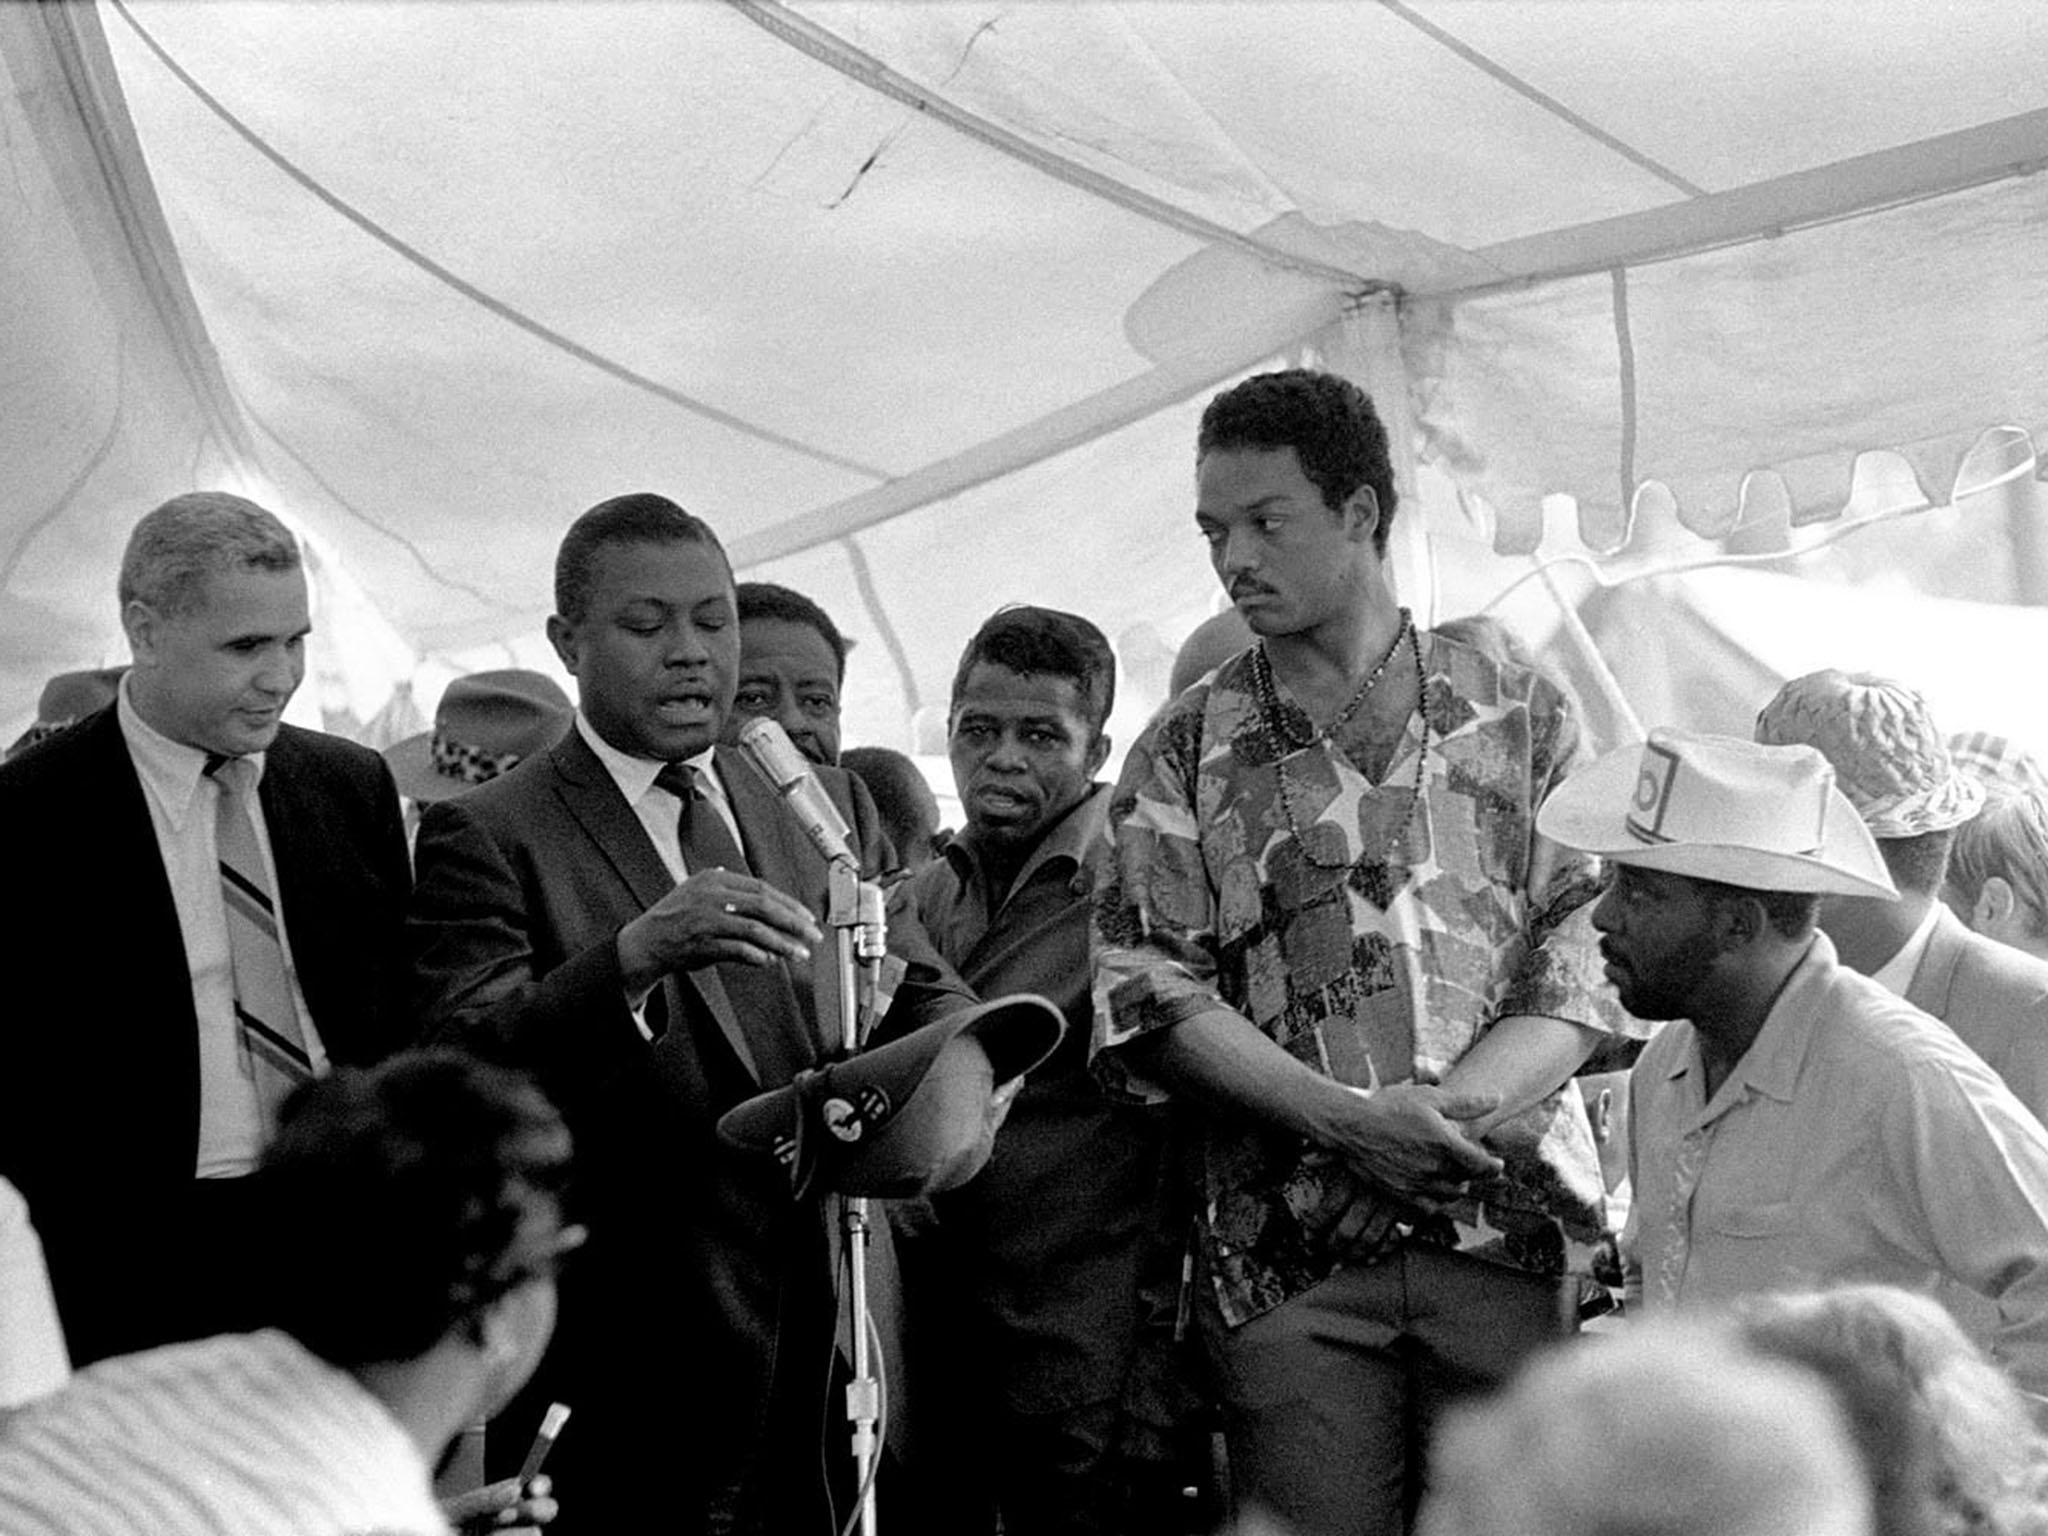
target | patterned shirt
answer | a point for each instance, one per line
(241, 1435)
(1439, 917)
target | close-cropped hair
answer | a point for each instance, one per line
(417, 1192)
(174, 549)
(766, 600)
(1327, 420)
(1919, 863)
(1045, 642)
(893, 781)
(2009, 839)
(640, 517)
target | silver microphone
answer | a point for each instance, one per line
(769, 748)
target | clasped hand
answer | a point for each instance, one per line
(1413, 1140)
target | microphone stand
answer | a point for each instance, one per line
(860, 940)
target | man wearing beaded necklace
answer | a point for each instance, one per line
(1330, 930)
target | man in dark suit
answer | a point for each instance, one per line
(633, 915)
(133, 1119)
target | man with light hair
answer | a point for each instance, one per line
(1997, 879)
(1794, 1124)
(217, 897)
(1895, 768)
(1672, 1429)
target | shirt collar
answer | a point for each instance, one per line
(1896, 974)
(170, 771)
(635, 775)
(1070, 838)
(1771, 1064)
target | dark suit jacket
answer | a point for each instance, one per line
(696, 1328)
(1994, 997)
(99, 1112)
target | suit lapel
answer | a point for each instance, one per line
(592, 797)
(1934, 977)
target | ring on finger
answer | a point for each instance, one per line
(731, 908)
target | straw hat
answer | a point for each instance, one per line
(67, 699)
(908, 1118)
(1766, 818)
(1888, 757)
(484, 724)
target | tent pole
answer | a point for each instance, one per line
(1610, 685)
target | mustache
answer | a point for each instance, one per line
(1244, 587)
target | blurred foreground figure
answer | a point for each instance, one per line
(1949, 1442)
(224, 894)
(1662, 1430)
(33, 1359)
(1793, 1123)
(417, 1234)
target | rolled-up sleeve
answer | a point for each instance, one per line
(1155, 923)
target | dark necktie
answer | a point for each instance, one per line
(706, 840)
(763, 996)
(267, 1027)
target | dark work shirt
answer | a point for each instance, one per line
(1047, 1240)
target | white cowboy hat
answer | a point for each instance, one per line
(1719, 808)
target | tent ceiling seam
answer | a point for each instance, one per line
(1043, 438)
(833, 51)
(79, 480)
(427, 567)
(1547, 102)
(80, 47)
(478, 296)
(871, 597)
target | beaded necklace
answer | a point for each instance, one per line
(1284, 742)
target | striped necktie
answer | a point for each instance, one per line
(267, 1025)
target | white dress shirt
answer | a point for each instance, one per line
(1896, 974)
(183, 806)
(659, 812)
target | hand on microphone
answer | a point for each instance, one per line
(716, 917)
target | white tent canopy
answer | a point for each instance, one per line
(918, 303)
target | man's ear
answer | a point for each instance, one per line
(1994, 906)
(1362, 513)
(142, 625)
(562, 636)
(1098, 753)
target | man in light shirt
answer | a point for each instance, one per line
(634, 915)
(141, 1098)
(1893, 764)
(1794, 1124)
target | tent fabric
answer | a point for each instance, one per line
(918, 304)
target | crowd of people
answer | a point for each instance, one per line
(1227, 1127)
